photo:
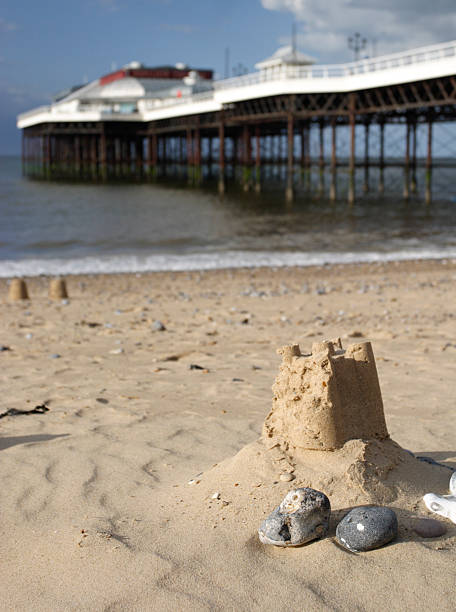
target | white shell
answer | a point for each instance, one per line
(443, 505)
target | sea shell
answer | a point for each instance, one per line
(302, 516)
(444, 505)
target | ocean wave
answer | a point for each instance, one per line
(110, 264)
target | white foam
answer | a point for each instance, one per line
(109, 264)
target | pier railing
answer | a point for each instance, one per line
(322, 71)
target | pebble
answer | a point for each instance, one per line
(286, 477)
(302, 516)
(367, 527)
(429, 528)
(28, 336)
(158, 326)
(55, 356)
(3, 348)
(117, 351)
(216, 495)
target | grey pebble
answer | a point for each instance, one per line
(367, 527)
(429, 528)
(55, 356)
(302, 516)
(3, 348)
(158, 326)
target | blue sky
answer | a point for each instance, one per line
(50, 45)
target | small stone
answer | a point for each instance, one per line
(4, 348)
(286, 477)
(302, 516)
(216, 495)
(55, 356)
(367, 527)
(429, 528)
(28, 336)
(158, 326)
(117, 351)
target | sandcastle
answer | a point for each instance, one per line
(326, 398)
(57, 289)
(18, 290)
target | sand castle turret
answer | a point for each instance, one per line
(326, 398)
(57, 289)
(18, 290)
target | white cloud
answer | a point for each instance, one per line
(324, 25)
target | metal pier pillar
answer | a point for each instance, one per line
(221, 180)
(257, 159)
(321, 160)
(289, 192)
(366, 157)
(428, 195)
(381, 180)
(333, 185)
(406, 190)
(351, 169)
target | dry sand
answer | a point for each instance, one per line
(96, 512)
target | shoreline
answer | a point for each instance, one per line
(312, 273)
(199, 262)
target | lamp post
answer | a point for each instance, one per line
(357, 43)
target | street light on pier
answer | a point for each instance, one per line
(357, 43)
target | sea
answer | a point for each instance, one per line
(54, 228)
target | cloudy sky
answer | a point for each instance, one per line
(49, 45)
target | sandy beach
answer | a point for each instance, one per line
(96, 510)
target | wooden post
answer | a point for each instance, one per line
(428, 195)
(289, 192)
(406, 192)
(257, 159)
(381, 180)
(333, 187)
(221, 134)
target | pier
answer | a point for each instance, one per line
(332, 130)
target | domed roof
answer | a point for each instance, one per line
(286, 55)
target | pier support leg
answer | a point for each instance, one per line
(103, 154)
(428, 195)
(333, 186)
(221, 179)
(257, 159)
(381, 180)
(406, 190)
(197, 168)
(351, 169)
(289, 192)
(307, 177)
(246, 161)
(366, 158)
(189, 148)
(413, 177)
(321, 161)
